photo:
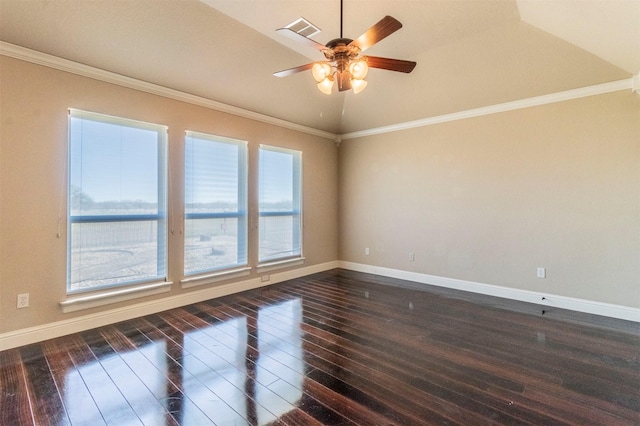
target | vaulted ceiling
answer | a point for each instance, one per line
(470, 54)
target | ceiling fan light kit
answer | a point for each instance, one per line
(359, 69)
(358, 85)
(320, 71)
(326, 85)
(343, 61)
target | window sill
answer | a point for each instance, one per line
(279, 264)
(215, 277)
(113, 296)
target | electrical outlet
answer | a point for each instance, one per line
(412, 256)
(541, 273)
(366, 251)
(265, 278)
(23, 300)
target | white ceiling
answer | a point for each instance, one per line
(470, 53)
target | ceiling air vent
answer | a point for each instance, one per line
(303, 27)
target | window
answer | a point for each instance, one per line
(116, 202)
(280, 192)
(215, 203)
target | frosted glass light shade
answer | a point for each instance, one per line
(326, 85)
(359, 69)
(320, 71)
(358, 85)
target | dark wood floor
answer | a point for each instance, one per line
(335, 348)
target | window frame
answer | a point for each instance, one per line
(241, 213)
(160, 217)
(296, 212)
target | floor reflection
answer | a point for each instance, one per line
(215, 371)
(253, 366)
(118, 394)
(243, 370)
(280, 366)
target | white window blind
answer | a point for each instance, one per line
(116, 202)
(215, 203)
(280, 205)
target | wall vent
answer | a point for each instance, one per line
(303, 27)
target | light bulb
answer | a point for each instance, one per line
(359, 69)
(326, 85)
(358, 85)
(320, 71)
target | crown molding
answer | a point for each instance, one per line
(39, 58)
(598, 89)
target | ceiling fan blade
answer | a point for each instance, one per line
(344, 81)
(390, 64)
(384, 28)
(289, 33)
(291, 71)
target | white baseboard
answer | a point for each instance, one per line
(61, 328)
(39, 333)
(562, 302)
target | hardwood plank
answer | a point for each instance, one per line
(113, 406)
(139, 396)
(332, 353)
(385, 386)
(14, 398)
(297, 417)
(317, 394)
(179, 405)
(333, 348)
(74, 393)
(537, 367)
(45, 400)
(194, 389)
(233, 378)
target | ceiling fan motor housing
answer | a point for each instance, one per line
(340, 51)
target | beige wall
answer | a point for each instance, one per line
(486, 199)
(490, 199)
(33, 140)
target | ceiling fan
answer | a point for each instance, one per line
(344, 64)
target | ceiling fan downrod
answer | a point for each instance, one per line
(340, 18)
(343, 65)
